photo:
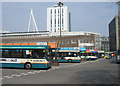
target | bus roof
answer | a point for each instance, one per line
(24, 47)
(68, 51)
(50, 44)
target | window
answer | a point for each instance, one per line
(66, 42)
(58, 21)
(68, 54)
(81, 41)
(87, 41)
(51, 11)
(62, 42)
(55, 11)
(62, 20)
(55, 20)
(73, 41)
(51, 21)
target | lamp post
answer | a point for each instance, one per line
(60, 4)
(118, 3)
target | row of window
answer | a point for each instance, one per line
(68, 41)
(58, 20)
(23, 53)
(55, 10)
(86, 41)
(89, 47)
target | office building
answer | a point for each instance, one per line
(114, 33)
(53, 19)
(104, 43)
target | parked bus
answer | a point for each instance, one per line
(82, 52)
(108, 55)
(24, 55)
(68, 55)
(101, 54)
(118, 56)
(83, 55)
(91, 54)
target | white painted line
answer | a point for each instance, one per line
(23, 74)
(39, 71)
(43, 70)
(14, 75)
(5, 76)
(35, 72)
(30, 73)
(9, 77)
(18, 75)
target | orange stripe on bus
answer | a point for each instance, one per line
(24, 43)
(32, 43)
(16, 43)
(9, 44)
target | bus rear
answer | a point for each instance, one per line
(91, 54)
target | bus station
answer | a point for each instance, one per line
(66, 43)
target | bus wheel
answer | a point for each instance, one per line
(69, 60)
(28, 66)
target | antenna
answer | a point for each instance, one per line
(34, 23)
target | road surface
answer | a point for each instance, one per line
(101, 71)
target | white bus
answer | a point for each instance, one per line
(68, 56)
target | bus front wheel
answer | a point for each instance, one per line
(69, 60)
(28, 66)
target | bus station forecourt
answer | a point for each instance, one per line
(43, 54)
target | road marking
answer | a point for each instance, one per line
(7, 77)
(23, 74)
(18, 75)
(30, 73)
(14, 75)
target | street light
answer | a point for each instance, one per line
(60, 4)
(118, 3)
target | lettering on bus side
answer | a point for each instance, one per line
(3, 60)
(38, 60)
(13, 60)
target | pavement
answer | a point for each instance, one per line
(101, 71)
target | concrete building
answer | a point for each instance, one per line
(105, 43)
(68, 39)
(53, 19)
(114, 33)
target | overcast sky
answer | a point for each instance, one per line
(85, 16)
